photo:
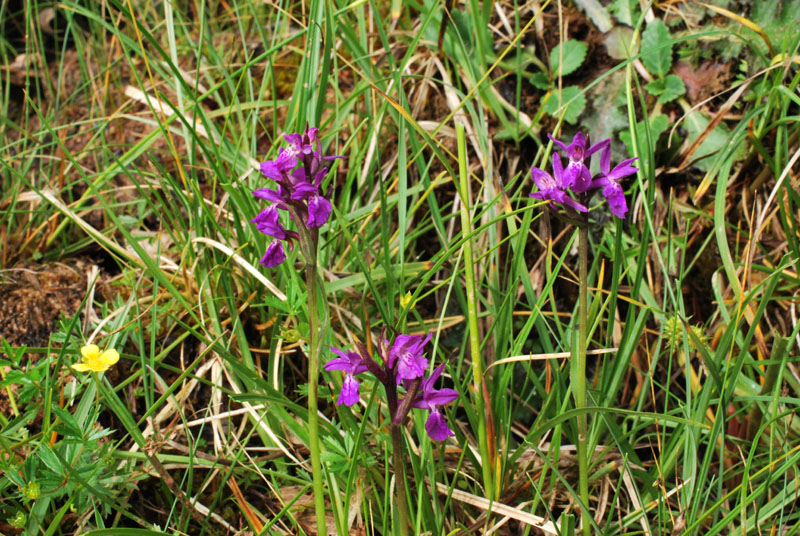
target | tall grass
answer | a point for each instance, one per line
(130, 135)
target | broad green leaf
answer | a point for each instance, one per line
(571, 52)
(668, 88)
(572, 97)
(657, 48)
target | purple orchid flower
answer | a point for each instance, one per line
(407, 352)
(552, 187)
(298, 171)
(576, 178)
(430, 398)
(404, 363)
(608, 180)
(268, 223)
(576, 175)
(351, 363)
(274, 255)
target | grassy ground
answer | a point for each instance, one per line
(130, 135)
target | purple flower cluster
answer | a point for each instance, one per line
(298, 171)
(577, 179)
(404, 362)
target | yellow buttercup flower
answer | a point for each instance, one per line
(95, 360)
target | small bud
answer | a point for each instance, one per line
(32, 491)
(19, 520)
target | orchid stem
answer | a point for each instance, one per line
(398, 463)
(579, 380)
(400, 479)
(313, 381)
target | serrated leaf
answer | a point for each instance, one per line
(673, 88)
(668, 88)
(572, 53)
(657, 48)
(572, 97)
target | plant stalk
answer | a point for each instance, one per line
(313, 381)
(398, 464)
(478, 390)
(579, 385)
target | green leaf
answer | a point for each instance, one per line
(572, 97)
(571, 52)
(658, 125)
(624, 10)
(541, 81)
(657, 48)
(669, 88)
(696, 123)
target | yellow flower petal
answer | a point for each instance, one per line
(89, 351)
(109, 357)
(94, 360)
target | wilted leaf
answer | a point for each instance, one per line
(619, 42)
(706, 80)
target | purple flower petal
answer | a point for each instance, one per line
(542, 179)
(583, 180)
(616, 199)
(436, 426)
(558, 173)
(621, 170)
(350, 362)
(597, 147)
(269, 194)
(407, 351)
(303, 191)
(349, 393)
(268, 223)
(440, 397)
(428, 396)
(577, 148)
(319, 210)
(574, 204)
(560, 144)
(274, 255)
(605, 160)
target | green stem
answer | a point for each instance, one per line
(398, 464)
(487, 460)
(313, 381)
(579, 380)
